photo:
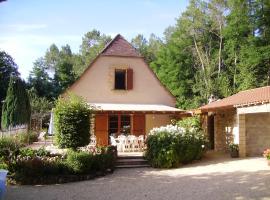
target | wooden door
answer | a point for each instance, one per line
(138, 124)
(101, 129)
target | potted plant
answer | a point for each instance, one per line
(266, 154)
(234, 150)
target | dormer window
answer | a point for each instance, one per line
(123, 79)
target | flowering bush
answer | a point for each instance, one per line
(266, 154)
(172, 145)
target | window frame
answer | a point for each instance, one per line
(128, 79)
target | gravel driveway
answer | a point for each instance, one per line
(208, 179)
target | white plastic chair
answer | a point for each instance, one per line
(141, 142)
(115, 143)
(135, 144)
(93, 140)
(124, 142)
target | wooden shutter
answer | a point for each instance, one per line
(138, 124)
(129, 79)
(101, 129)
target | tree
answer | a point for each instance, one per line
(40, 80)
(64, 75)
(92, 43)
(16, 108)
(8, 68)
(40, 106)
(148, 49)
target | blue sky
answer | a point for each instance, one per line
(29, 27)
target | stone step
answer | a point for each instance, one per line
(134, 162)
(129, 157)
(131, 166)
(131, 162)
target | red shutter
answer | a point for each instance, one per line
(138, 124)
(101, 129)
(129, 79)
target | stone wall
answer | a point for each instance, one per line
(225, 123)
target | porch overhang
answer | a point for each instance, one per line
(136, 108)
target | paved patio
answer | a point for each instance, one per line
(213, 178)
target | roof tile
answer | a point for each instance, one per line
(120, 47)
(243, 98)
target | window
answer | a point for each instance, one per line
(120, 79)
(113, 124)
(123, 79)
(119, 124)
(125, 124)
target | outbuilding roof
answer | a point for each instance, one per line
(147, 108)
(244, 98)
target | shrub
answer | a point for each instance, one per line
(79, 162)
(72, 122)
(23, 137)
(190, 123)
(26, 166)
(28, 152)
(170, 146)
(9, 148)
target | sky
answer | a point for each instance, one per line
(29, 27)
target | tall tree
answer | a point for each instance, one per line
(64, 75)
(148, 49)
(8, 68)
(92, 43)
(40, 80)
(16, 108)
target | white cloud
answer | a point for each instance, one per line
(26, 27)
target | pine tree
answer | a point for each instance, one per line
(16, 108)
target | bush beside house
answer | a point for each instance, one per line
(72, 122)
(171, 146)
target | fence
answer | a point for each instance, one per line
(13, 131)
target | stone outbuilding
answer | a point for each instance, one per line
(243, 118)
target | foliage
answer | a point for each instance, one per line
(40, 80)
(147, 48)
(27, 138)
(9, 148)
(92, 44)
(216, 48)
(190, 122)
(40, 163)
(8, 68)
(40, 108)
(80, 162)
(72, 117)
(233, 147)
(171, 146)
(16, 108)
(266, 154)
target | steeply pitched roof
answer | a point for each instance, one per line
(243, 98)
(120, 47)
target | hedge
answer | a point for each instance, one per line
(72, 122)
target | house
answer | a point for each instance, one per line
(127, 95)
(243, 118)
